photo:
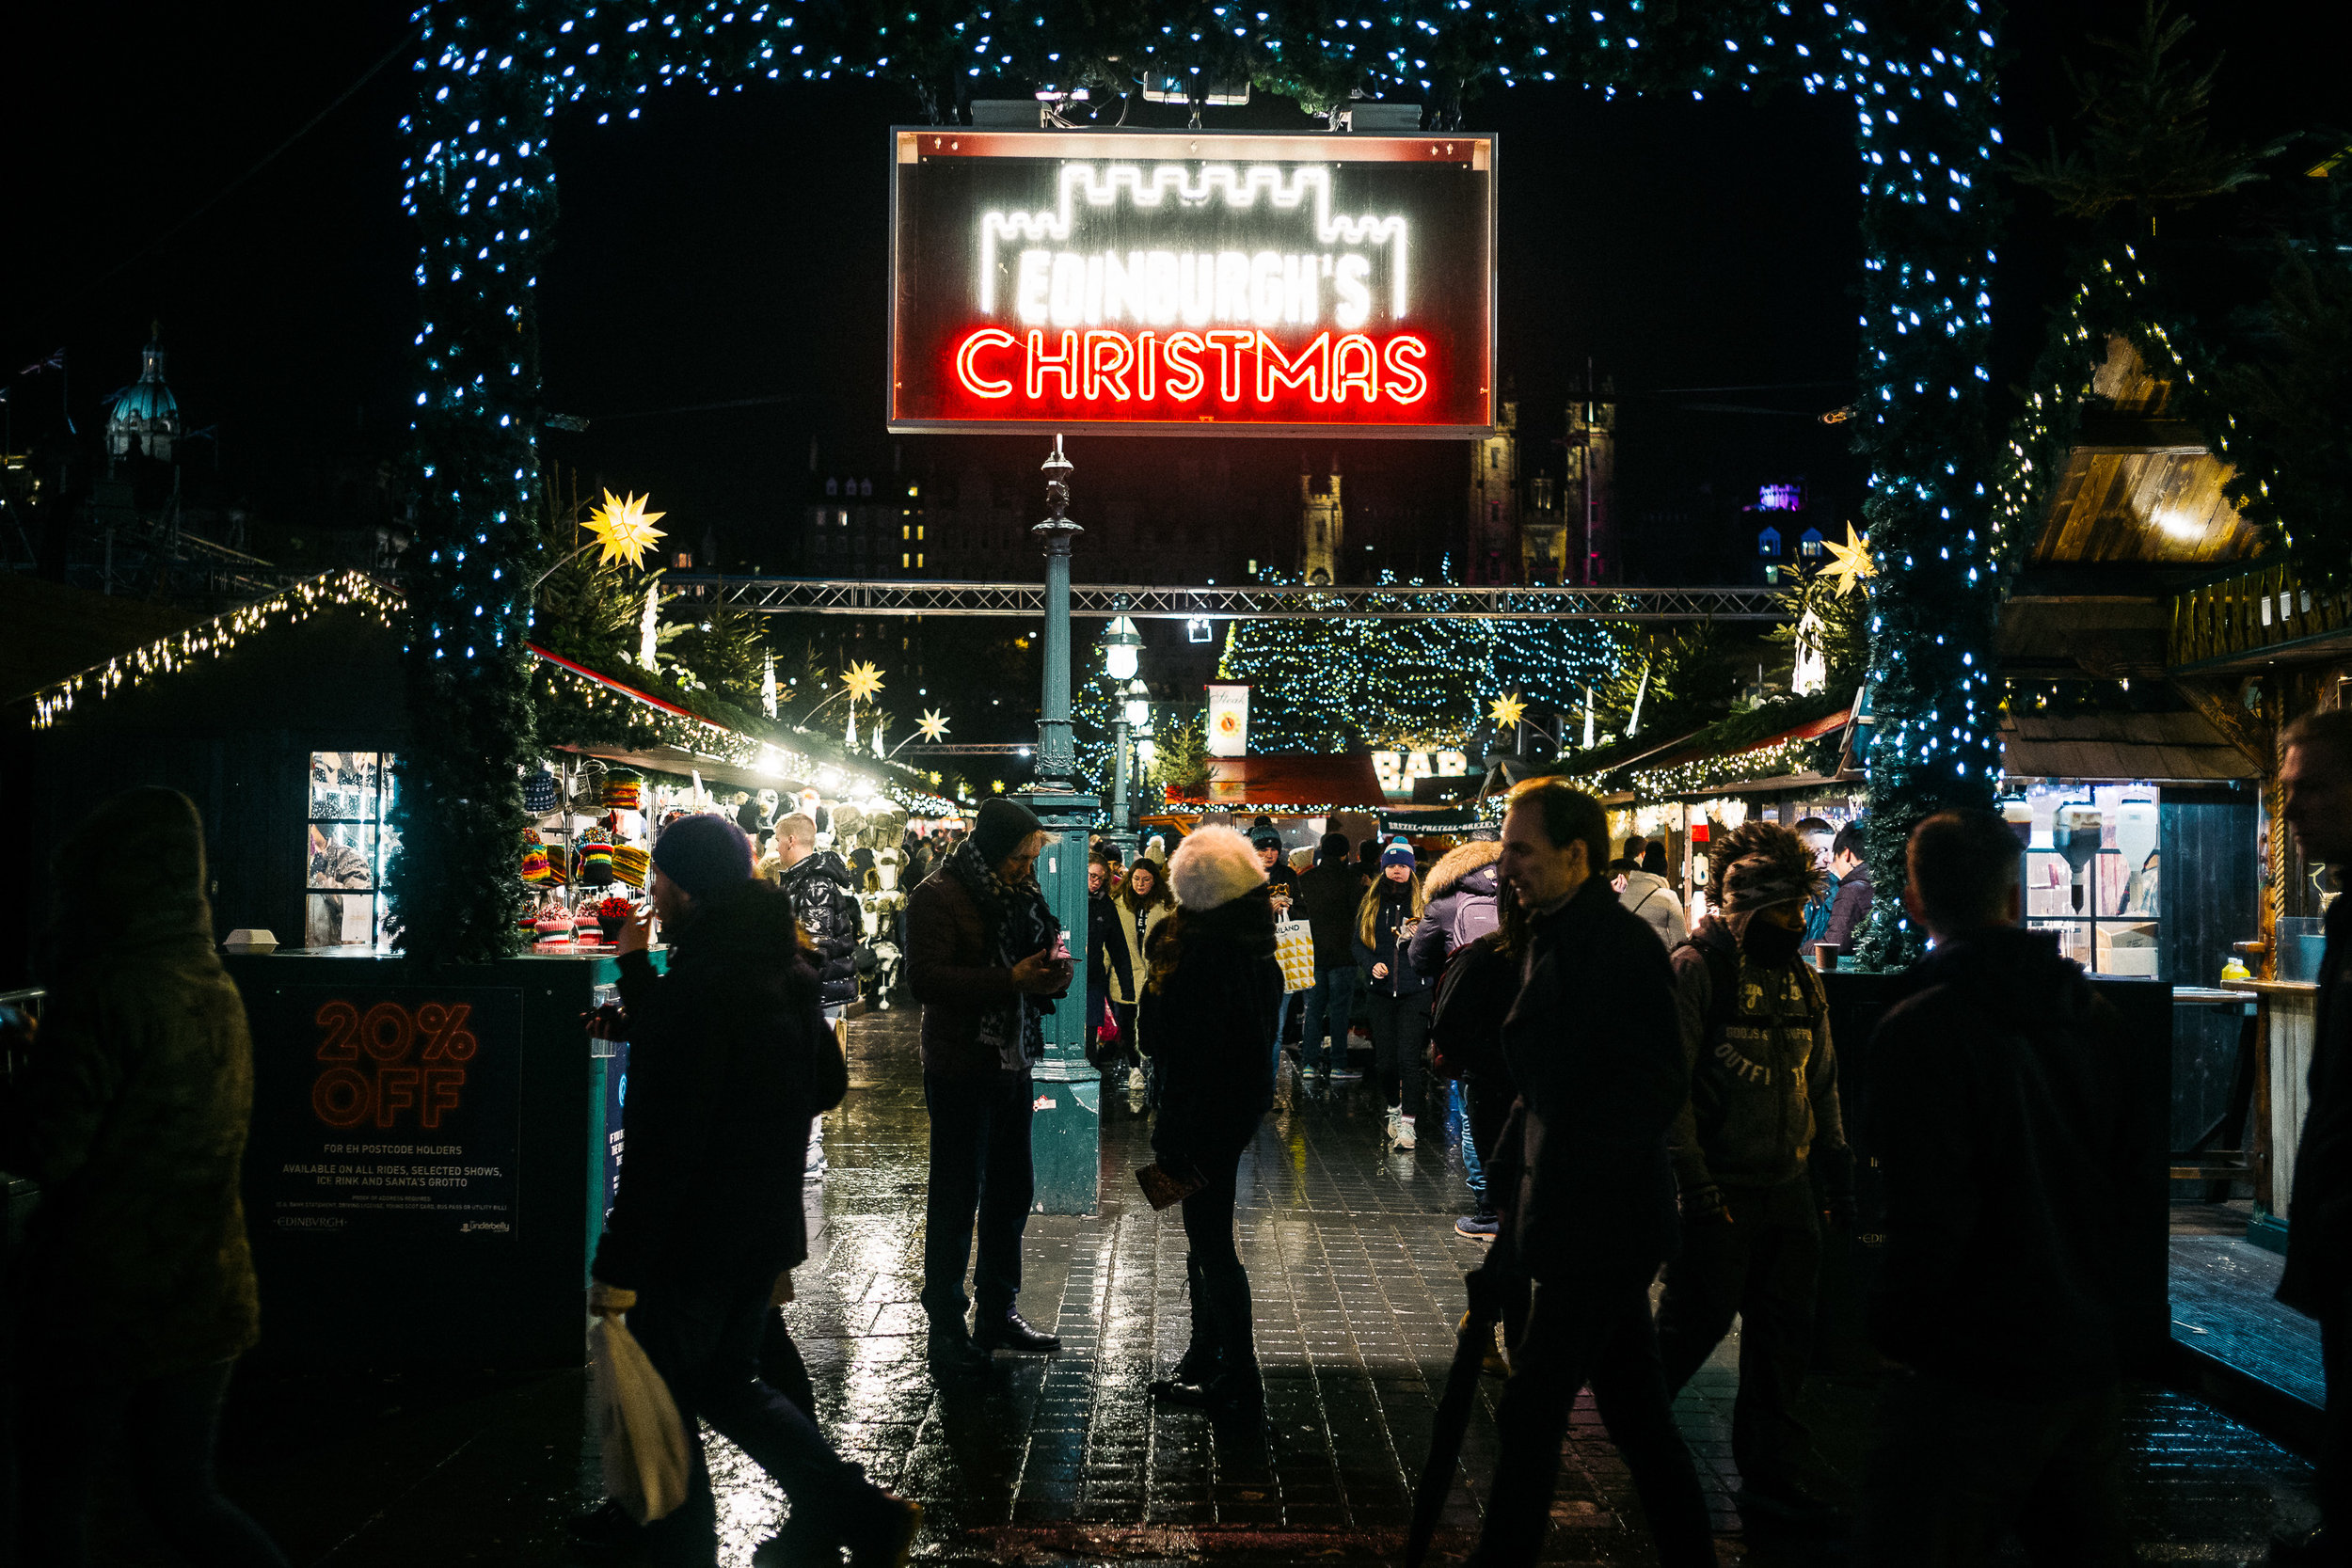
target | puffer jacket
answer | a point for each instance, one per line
(1763, 1076)
(1647, 894)
(729, 1058)
(1461, 891)
(830, 918)
(133, 1108)
(1208, 1026)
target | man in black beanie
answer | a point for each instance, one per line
(981, 960)
(1327, 897)
(729, 1060)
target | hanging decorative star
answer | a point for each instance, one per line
(1506, 710)
(1854, 560)
(933, 727)
(625, 528)
(863, 680)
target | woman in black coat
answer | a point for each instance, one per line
(1207, 1018)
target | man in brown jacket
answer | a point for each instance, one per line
(981, 960)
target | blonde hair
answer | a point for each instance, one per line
(1368, 908)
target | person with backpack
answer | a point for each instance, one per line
(1474, 994)
(1206, 1015)
(1463, 894)
(1385, 922)
(1762, 1113)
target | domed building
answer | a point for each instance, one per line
(145, 417)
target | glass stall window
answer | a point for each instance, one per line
(350, 841)
(2092, 871)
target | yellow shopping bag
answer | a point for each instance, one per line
(644, 1443)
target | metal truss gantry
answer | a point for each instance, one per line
(1249, 601)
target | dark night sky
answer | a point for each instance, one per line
(734, 248)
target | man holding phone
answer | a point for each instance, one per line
(984, 957)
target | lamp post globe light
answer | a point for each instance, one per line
(1135, 709)
(1123, 645)
(1063, 1132)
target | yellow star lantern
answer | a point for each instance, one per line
(1506, 710)
(1853, 559)
(625, 528)
(933, 727)
(863, 680)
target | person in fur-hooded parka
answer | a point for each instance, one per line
(1207, 1018)
(1459, 907)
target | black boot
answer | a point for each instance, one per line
(1237, 1387)
(1199, 1361)
(952, 1352)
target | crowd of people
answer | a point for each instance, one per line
(1644, 1107)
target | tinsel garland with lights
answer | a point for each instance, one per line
(479, 181)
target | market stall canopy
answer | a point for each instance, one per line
(1740, 766)
(1294, 779)
(2139, 483)
(49, 631)
(2147, 748)
(720, 755)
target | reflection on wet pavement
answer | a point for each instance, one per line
(1356, 1273)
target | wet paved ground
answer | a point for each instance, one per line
(1355, 1272)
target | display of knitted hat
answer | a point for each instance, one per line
(630, 863)
(621, 791)
(539, 792)
(595, 862)
(847, 820)
(535, 868)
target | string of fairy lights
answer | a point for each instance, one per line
(479, 179)
(212, 639)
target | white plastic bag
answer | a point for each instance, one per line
(644, 1443)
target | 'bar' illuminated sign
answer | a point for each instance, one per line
(1180, 283)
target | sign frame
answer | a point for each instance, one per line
(1287, 146)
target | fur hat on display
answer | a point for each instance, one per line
(1213, 866)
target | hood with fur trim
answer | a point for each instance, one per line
(1213, 866)
(1457, 863)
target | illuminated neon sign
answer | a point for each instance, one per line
(1183, 283)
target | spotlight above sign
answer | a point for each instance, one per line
(1180, 283)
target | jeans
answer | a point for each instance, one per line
(1593, 1329)
(167, 1425)
(980, 1170)
(704, 1335)
(1329, 1001)
(1761, 1266)
(1956, 1467)
(1282, 1025)
(1400, 1038)
(1457, 1126)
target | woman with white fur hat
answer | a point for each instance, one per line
(1206, 1018)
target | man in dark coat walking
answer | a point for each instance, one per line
(729, 1060)
(2317, 777)
(2000, 1121)
(1594, 1046)
(980, 960)
(1850, 908)
(1326, 898)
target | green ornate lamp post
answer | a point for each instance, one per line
(1065, 1134)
